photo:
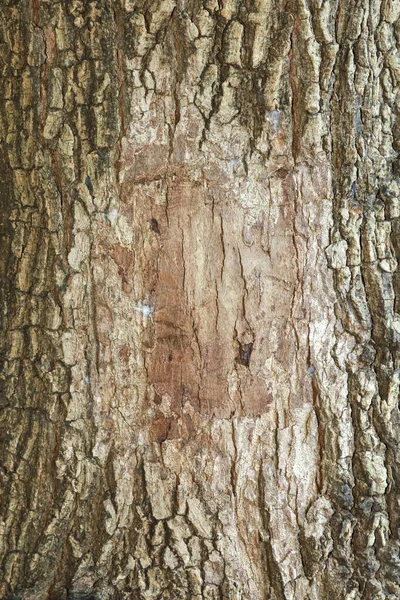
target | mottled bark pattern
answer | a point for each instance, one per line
(199, 235)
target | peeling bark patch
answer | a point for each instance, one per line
(212, 289)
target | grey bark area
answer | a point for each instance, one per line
(199, 231)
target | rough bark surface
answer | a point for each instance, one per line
(200, 228)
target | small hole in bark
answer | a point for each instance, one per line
(88, 183)
(170, 357)
(154, 226)
(245, 351)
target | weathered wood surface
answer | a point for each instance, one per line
(200, 316)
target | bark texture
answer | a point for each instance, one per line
(200, 229)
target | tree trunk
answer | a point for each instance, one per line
(200, 228)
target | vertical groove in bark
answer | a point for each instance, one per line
(199, 370)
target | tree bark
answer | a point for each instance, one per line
(199, 234)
